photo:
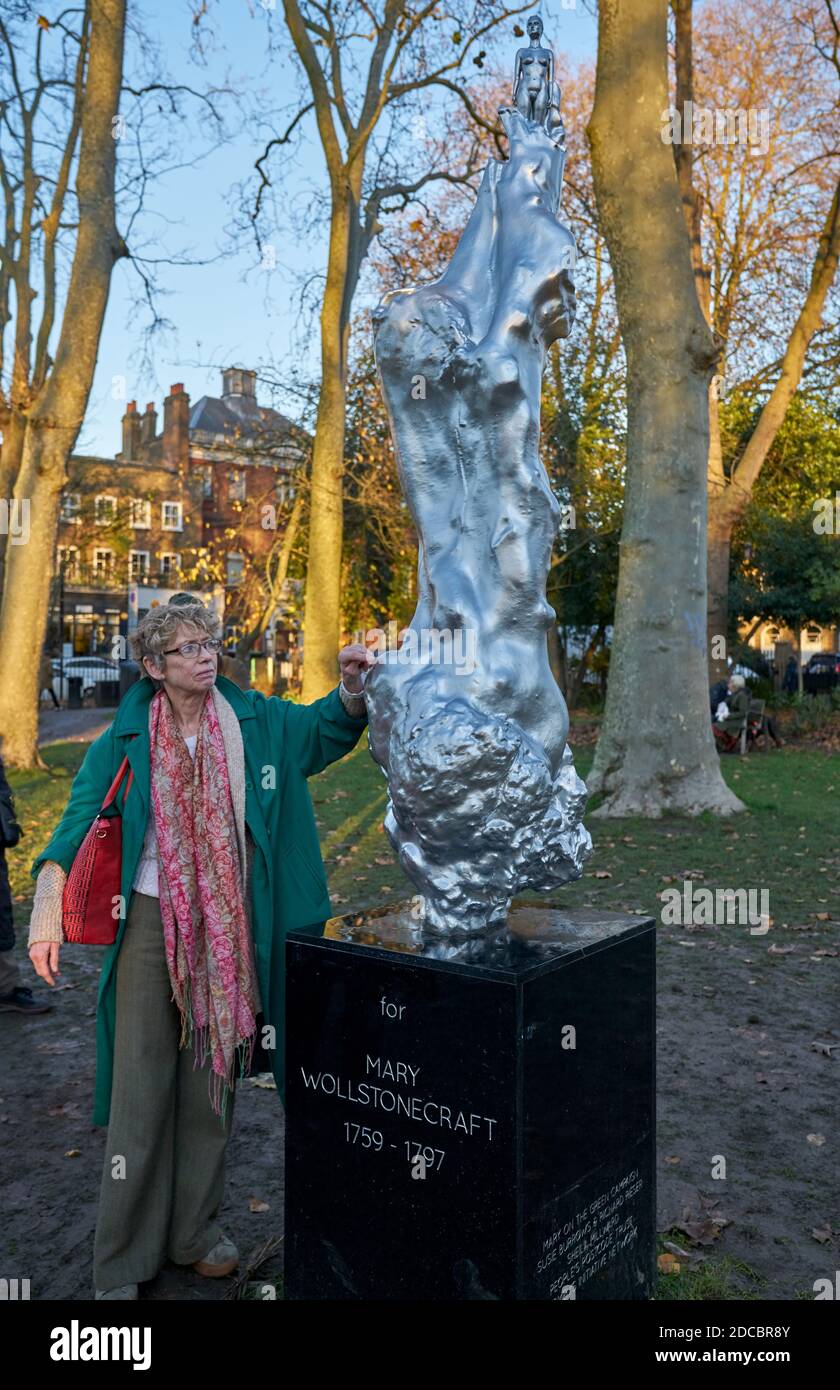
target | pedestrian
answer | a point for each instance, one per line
(790, 682)
(47, 677)
(14, 997)
(717, 695)
(220, 858)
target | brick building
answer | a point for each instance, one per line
(183, 506)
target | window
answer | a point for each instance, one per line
(71, 505)
(105, 509)
(68, 555)
(236, 485)
(283, 490)
(103, 562)
(140, 513)
(170, 562)
(138, 565)
(171, 514)
(235, 567)
(207, 480)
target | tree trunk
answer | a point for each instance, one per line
(719, 539)
(55, 416)
(554, 654)
(656, 752)
(11, 454)
(576, 683)
(800, 680)
(322, 606)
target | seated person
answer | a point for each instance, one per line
(728, 729)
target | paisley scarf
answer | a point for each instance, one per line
(209, 949)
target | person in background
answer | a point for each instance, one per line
(727, 730)
(717, 693)
(790, 682)
(47, 677)
(14, 997)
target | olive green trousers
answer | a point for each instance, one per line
(164, 1171)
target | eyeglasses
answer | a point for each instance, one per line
(213, 644)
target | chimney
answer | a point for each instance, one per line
(176, 428)
(131, 431)
(236, 381)
(148, 424)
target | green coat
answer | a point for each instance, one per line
(289, 887)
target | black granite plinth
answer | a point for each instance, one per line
(471, 1119)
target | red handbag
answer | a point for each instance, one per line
(95, 877)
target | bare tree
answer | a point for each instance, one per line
(656, 750)
(795, 217)
(44, 413)
(369, 67)
(72, 166)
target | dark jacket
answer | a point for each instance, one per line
(10, 833)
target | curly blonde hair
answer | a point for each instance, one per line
(156, 631)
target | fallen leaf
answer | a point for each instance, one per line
(822, 916)
(822, 1234)
(73, 1153)
(825, 1048)
(702, 1232)
(256, 1204)
(382, 859)
(672, 1158)
(816, 1139)
(780, 950)
(676, 1250)
(603, 873)
(385, 888)
(777, 1080)
(667, 1264)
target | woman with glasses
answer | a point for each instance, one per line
(220, 858)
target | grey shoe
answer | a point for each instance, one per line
(125, 1292)
(222, 1259)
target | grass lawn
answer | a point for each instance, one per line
(738, 1013)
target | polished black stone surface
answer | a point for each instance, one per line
(517, 1067)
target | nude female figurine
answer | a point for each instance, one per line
(535, 93)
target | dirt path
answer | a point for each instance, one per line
(745, 1075)
(50, 1199)
(739, 1078)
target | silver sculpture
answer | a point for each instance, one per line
(484, 801)
(535, 93)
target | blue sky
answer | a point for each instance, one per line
(228, 311)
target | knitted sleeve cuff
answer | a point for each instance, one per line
(354, 704)
(45, 922)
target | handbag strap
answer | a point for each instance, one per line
(115, 785)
